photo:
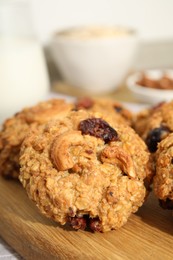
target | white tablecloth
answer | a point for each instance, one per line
(6, 252)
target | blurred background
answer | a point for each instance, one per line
(152, 19)
(27, 65)
(24, 77)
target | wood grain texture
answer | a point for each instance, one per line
(147, 235)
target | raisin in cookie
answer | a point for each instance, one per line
(107, 107)
(14, 130)
(86, 170)
(163, 180)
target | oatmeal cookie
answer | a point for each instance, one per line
(155, 124)
(86, 170)
(140, 119)
(107, 107)
(163, 180)
(14, 130)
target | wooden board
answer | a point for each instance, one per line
(147, 235)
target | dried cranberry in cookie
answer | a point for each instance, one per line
(95, 224)
(155, 136)
(89, 172)
(77, 222)
(84, 103)
(99, 128)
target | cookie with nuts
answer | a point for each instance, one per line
(107, 107)
(163, 180)
(15, 129)
(86, 170)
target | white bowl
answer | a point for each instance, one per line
(97, 63)
(146, 94)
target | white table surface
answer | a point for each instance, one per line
(6, 252)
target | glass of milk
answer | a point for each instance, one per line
(23, 73)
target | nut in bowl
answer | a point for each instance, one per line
(152, 86)
(94, 58)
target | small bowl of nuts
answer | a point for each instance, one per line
(152, 86)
